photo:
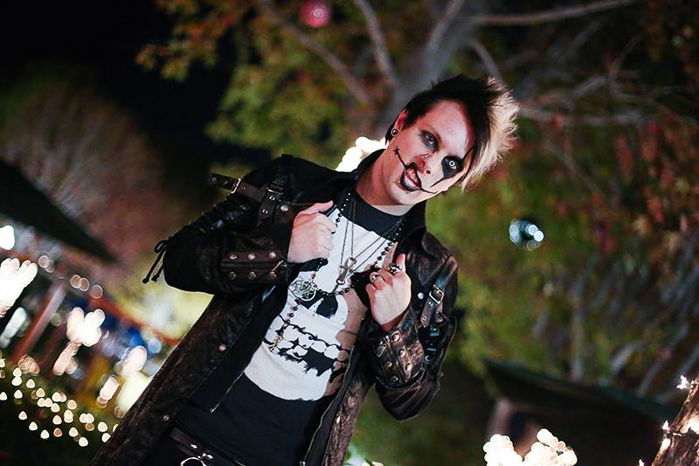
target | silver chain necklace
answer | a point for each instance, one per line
(306, 290)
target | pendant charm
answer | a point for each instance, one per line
(305, 290)
(276, 341)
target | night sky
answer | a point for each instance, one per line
(106, 36)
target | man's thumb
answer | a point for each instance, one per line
(317, 207)
(400, 261)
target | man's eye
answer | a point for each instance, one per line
(429, 140)
(451, 166)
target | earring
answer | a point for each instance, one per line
(394, 131)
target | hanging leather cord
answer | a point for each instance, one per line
(160, 249)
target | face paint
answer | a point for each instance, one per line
(452, 166)
(403, 183)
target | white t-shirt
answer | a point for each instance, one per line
(310, 358)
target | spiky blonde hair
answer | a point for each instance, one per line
(502, 112)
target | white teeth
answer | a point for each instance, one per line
(410, 180)
(412, 176)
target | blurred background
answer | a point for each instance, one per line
(578, 255)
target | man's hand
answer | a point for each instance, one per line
(311, 234)
(389, 295)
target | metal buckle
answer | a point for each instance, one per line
(439, 292)
(193, 458)
(235, 188)
(200, 458)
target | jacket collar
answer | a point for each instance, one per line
(415, 228)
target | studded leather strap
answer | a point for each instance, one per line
(398, 353)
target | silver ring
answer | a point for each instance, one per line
(373, 276)
(393, 268)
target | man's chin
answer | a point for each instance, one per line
(405, 196)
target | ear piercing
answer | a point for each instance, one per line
(394, 131)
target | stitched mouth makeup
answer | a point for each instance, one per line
(410, 180)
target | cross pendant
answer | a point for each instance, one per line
(346, 269)
(276, 341)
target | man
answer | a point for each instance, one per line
(324, 284)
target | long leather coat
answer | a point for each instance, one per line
(237, 252)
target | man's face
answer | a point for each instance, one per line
(429, 156)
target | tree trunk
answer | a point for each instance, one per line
(681, 443)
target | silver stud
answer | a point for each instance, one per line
(231, 275)
(421, 295)
(265, 211)
(408, 366)
(395, 336)
(401, 352)
(284, 208)
(388, 365)
(166, 417)
(272, 255)
(272, 275)
(222, 347)
(251, 256)
(233, 257)
(394, 379)
(252, 275)
(193, 446)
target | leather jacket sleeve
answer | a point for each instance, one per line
(407, 359)
(225, 250)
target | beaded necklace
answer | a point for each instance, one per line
(307, 290)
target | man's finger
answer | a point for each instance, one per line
(385, 276)
(317, 207)
(325, 221)
(400, 261)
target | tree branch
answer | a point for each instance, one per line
(337, 65)
(548, 16)
(538, 114)
(487, 59)
(383, 61)
(440, 28)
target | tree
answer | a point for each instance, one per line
(681, 440)
(89, 157)
(607, 162)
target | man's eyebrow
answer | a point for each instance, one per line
(439, 140)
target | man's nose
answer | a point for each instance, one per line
(424, 162)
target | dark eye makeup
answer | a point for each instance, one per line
(451, 166)
(429, 140)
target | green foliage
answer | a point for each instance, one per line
(304, 119)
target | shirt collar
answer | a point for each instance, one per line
(415, 218)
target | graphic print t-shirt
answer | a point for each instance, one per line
(314, 341)
(270, 414)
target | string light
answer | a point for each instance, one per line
(55, 403)
(686, 384)
(546, 451)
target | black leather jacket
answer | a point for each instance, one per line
(237, 252)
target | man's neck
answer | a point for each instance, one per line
(372, 189)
